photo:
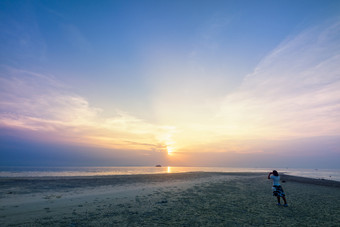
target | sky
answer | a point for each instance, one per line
(181, 83)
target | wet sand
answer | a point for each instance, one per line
(178, 199)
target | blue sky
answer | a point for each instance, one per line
(142, 82)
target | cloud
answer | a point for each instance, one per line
(41, 105)
(21, 37)
(294, 92)
(74, 36)
(292, 95)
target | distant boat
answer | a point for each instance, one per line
(158, 166)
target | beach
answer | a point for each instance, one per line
(175, 199)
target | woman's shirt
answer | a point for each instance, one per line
(276, 180)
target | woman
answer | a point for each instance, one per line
(277, 189)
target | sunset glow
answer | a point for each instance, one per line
(170, 150)
(138, 83)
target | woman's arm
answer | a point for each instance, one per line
(269, 175)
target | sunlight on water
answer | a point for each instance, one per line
(331, 174)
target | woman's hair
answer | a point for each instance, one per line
(275, 173)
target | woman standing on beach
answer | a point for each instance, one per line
(277, 189)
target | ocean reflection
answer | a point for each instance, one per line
(333, 174)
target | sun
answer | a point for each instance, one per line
(170, 150)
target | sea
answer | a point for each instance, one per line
(327, 174)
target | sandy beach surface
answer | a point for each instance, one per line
(178, 199)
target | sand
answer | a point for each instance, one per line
(178, 199)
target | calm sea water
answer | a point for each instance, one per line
(329, 174)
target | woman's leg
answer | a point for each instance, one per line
(284, 199)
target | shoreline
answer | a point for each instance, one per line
(22, 172)
(101, 180)
(175, 199)
(309, 180)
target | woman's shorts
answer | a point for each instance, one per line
(278, 191)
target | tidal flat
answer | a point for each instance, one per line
(174, 199)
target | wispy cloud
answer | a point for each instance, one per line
(293, 92)
(75, 37)
(39, 103)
